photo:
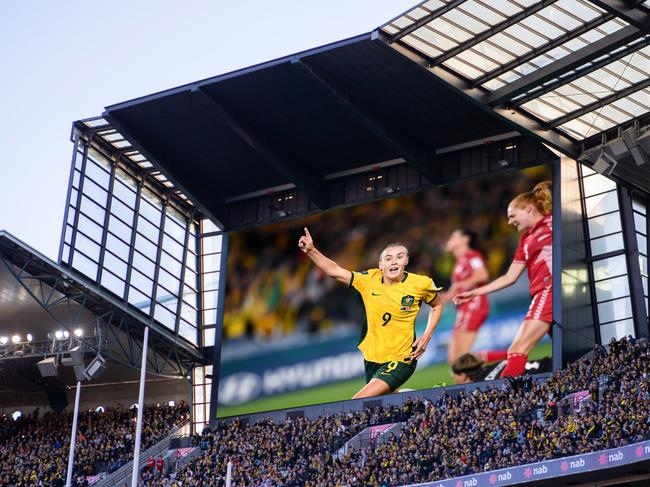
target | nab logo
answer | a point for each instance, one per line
(504, 476)
(239, 388)
(615, 457)
(540, 470)
(470, 483)
(577, 463)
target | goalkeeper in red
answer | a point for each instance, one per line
(392, 298)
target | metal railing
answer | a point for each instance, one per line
(123, 474)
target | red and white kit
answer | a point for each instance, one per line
(472, 314)
(536, 251)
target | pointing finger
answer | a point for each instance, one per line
(307, 234)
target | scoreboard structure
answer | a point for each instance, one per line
(448, 92)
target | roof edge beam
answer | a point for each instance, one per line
(417, 159)
(486, 34)
(626, 11)
(126, 133)
(532, 54)
(617, 95)
(519, 119)
(426, 19)
(301, 181)
(567, 63)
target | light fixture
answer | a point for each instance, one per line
(66, 334)
(4, 340)
(604, 164)
(74, 356)
(47, 367)
(58, 334)
(29, 337)
(15, 339)
(96, 367)
(78, 332)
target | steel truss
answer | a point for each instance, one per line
(117, 330)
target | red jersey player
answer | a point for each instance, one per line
(530, 213)
(469, 272)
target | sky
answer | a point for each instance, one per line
(65, 61)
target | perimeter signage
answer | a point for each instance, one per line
(551, 468)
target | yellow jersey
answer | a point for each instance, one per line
(389, 329)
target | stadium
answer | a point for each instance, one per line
(192, 331)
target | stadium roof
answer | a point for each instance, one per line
(445, 72)
(39, 297)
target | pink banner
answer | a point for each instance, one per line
(375, 431)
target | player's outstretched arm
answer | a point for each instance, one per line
(421, 343)
(328, 266)
(508, 279)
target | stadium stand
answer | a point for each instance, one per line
(520, 422)
(34, 448)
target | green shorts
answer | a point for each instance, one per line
(394, 373)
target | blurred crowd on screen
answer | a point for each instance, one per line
(516, 423)
(34, 448)
(274, 290)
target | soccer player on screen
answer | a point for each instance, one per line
(469, 272)
(392, 299)
(530, 213)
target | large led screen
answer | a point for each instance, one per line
(297, 332)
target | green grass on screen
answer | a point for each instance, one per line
(422, 379)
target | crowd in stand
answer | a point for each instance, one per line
(516, 423)
(34, 448)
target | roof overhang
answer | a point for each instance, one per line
(441, 74)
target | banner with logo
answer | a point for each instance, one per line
(559, 467)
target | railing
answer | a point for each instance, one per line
(123, 474)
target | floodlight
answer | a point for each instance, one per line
(644, 142)
(66, 334)
(617, 146)
(637, 150)
(4, 340)
(58, 334)
(29, 337)
(78, 332)
(96, 367)
(74, 357)
(639, 155)
(605, 163)
(15, 339)
(47, 367)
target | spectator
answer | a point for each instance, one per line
(453, 436)
(34, 449)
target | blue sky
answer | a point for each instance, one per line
(63, 61)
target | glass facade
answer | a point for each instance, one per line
(201, 391)
(639, 211)
(211, 241)
(609, 270)
(124, 232)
